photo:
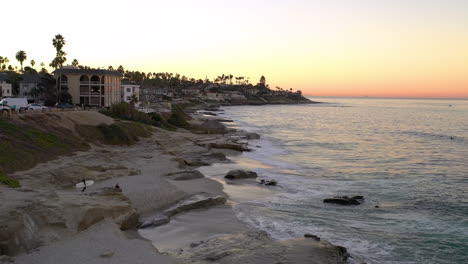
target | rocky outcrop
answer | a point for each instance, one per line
(232, 146)
(201, 200)
(240, 174)
(345, 200)
(213, 127)
(258, 247)
(185, 175)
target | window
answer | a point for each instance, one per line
(129, 90)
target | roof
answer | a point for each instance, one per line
(87, 72)
(3, 76)
(32, 78)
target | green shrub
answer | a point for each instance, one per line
(127, 112)
(10, 182)
(178, 118)
(159, 121)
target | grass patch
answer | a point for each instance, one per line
(44, 140)
(10, 182)
(22, 146)
(119, 133)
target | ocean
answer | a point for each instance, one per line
(409, 157)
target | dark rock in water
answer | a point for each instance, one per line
(342, 200)
(312, 236)
(251, 135)
(209, 113)
(233, 146)
(268, 182)
(240, 174)
(225, 120)
(377, 206)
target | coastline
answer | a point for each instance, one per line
(142, 172)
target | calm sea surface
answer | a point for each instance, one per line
(409, 157)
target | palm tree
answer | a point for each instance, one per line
(58, 42)
(75, 62)
(21, 56)
(33, 63)
(133, 100)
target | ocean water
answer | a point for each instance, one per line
(408, 156)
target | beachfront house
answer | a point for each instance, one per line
(29, 86)
(90, 86)
(128, 91)
(6, 89)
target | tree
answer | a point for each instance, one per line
(133, 100)
(29, 70)
(263, 80)
(75, 62)
(33, 63)
(21, 56)
(121, 69)
(58, 42)
(110, 68)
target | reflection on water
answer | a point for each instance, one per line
(409, 157)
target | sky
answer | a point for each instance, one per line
(381, 48)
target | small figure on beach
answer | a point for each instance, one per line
(451, 138)
(117, 187)
(84, 182)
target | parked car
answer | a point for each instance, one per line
(37, 107)
(16, 104)
(65, 106)
(4, 109)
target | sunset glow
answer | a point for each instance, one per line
(383, 48)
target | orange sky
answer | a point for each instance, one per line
(396, 48)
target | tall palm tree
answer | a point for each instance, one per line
(58, 42)
(33, 63)
(21, 56)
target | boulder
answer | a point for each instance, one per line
(240, 174)
(213, 126)
(344, 200)
(271, 182)
(252, 135)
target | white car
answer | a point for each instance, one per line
(37, 108)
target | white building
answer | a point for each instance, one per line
(129, 90)
(5, 88)
(29, 86)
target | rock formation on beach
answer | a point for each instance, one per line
(156, 171)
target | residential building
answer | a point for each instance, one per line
(90, 86)
(129, 90)
(6, 90)
(29, 86)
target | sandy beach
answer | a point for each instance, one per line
(189, 218)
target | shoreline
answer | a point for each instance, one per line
(149, 192)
